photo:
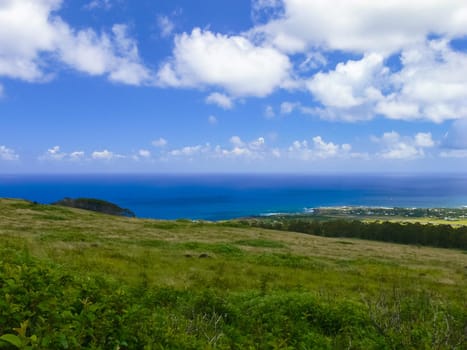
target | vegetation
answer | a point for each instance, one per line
(445, 236)
(455, 217)
(93, 204)
(73, 279)
(448, 214)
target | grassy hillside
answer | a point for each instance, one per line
(76, 279)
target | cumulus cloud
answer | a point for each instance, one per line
(27, 51)
(8, 153)
(236, 141)
(204, 58)
(77, 155)
(397, 147)
(144, 153)
(55, 153)
(351, 84)
(105, 155)
(258, 149)
(220, 100)
(319, 149)
(360, 25)
(257, 144)
(432, 84)
(255, 149)
(190, 151)
(351, 90)
(424, 140)
(160, 142)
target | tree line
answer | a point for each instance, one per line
(444, 236)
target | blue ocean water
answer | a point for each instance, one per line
(218, 197)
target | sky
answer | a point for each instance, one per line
(253, 86)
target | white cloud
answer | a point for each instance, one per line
(21, 44)
(255, 149)
(424, 139)
(105, 155)
(160, 142)
(319, 149)
(212, 120)
(289, 107)
(363, 26)
(166, 26)
(351, 84)
(56, 154)
(236, 141)
(454, 153)
(8, 153)
(190, 151)
(397, 147)
(237, 152)
(219, 99)
(231, 62)
(431, 85)
(257, 144)
(77, 155)
(276, 153)
(115, 55)
(144, 153)
(27, 51)
(393, 108)
(329, 149)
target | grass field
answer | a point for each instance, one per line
(76, 279)
(434, 221)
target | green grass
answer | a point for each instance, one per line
(261, 243)
(71, 279)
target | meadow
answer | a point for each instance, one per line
(74, 279)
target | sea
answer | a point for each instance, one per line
(220, 197)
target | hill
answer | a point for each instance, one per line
(93, 204)
(74, 279)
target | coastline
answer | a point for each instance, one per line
(226, 196)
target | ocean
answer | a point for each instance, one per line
(219, 197)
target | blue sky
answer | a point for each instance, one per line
(233, 86)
